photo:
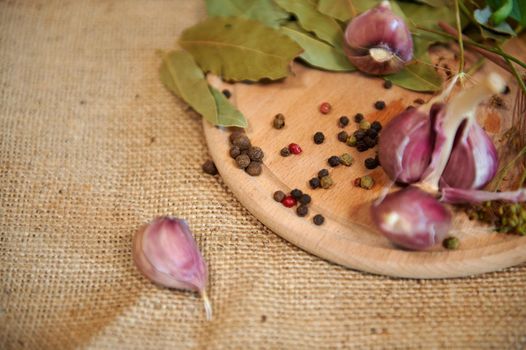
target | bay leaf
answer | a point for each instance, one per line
(181, 75)
(227, 114)
(240, 49)
(264, 11)
(339, 9)
(310, 19)
(418, 76)
(318, 53)
(435, 3)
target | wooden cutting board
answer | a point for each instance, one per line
(348, 236)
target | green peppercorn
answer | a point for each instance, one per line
(451, 243)
(364, 125)
(285, 152)
(366, 182)
(254, 168)
(242, 161)
(255, 154)
(302, 210)
(346, 159)
(351, 141)
(326, 182)
(318, 219)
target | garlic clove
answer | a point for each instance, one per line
(378, 42)
(412, 218)
(166, 253)
(464, 196)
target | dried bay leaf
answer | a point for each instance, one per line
(418, 76)
(339, 9)
(310, 19)
(227, 115)
(240, 49)
(318, 53)
(264, 11)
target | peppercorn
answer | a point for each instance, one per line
(351, 141)
(289, 201)
(227, 93)
(318, 219)
(361, 146)
(279, 196)
(371, 163)
(255, 154)
(359, 134)
(364, 125)
(388, 84)
(334, 161)
(343, 136)
(284, 152)
(242, 142)
(319, 138)
(370, 142)
(419, 101)
(323, 172)
(376, 125)
(279, 121)
(325, 108)
(326, 182)
(343, 121)
(346, 159)
(358, 117)
(506, 90)
(379, 105)
(451, 243)
(366, 182)
(296, 193)
(235, 134)
(305, 199)
(371, 133)
(209, 167)
(314, 183)
(294, 148)
(254, 168)
(242, 161)
(302, 210)
(234, 151)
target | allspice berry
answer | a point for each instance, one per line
(235, 134)
(234, 151)
(254, 169)
(242, 142)
(279, 121)
(255, 154)
(209, 167)
(242, 161)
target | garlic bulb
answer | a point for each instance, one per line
(166, 253)
(378, 42)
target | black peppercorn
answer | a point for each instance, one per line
(371, 163)
(227, 93)
(318, 219)
(358, 117)
(371, 133)
(322, 173)
(379, 105)
(279, 195)
(361, 146)
(255, 154)
(242, 142)
(254, 169)
(296, 193)
(314, 183)
(209, 167)
(370, 142)
(285, 152)
(343, 121)
(234, 151)
(343, 136)
(319, 138)
(334, 161)
(305, 199)
(388, 84)
(242, 161)
(359, 134)
(376, 125)
(302, 210)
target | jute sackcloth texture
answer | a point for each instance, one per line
(93, 146)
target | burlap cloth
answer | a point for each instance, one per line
(93, 146)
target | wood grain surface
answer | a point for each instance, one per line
(348, 236)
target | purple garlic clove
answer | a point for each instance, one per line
(405, 146)
(412, 218)
(473, 161)
(378, 42)
(166, 253)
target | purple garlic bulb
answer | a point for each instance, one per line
(378, 42)
(405, 146)
(473, 161)
(412, 218)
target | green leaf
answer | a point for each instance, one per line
(264, 11)
(338, 9)
(227, 115)
(427, 16)
(318, 53)
(325, 27)
(240, 49)
(482, 17)
(181, 75)
(418, 76)
(518, 12)
(434, 3)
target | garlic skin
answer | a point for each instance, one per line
(378, 42)
(412, 218)
(166, 253)
(405, 146)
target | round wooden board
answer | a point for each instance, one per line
(348, 236)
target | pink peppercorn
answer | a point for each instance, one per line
(294, 148)
(289, 201)
(325, 108)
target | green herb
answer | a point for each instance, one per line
(227, 114)
(418, 76)
(339, 9)
(240, 49)
(264, 11)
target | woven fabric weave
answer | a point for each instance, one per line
(92, 146)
